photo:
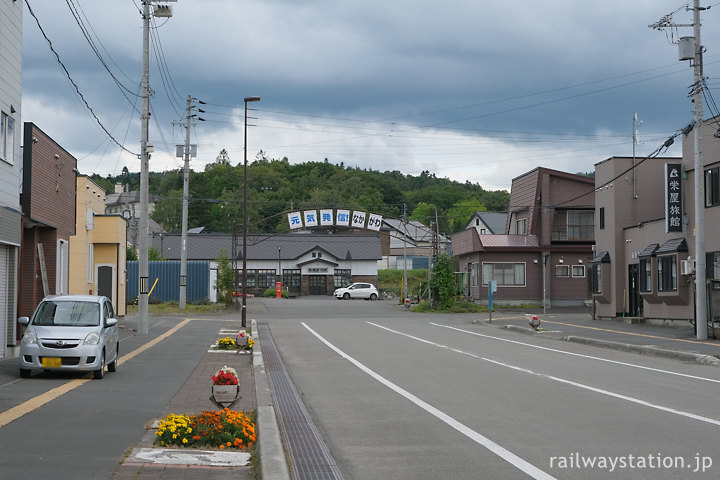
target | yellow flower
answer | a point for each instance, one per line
(185, 440)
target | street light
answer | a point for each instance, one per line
(245, 222)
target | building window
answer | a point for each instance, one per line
(251, 280)
(520, 226)
(578, 270)
(291, 277)
(646, 274)
(482, 231)
(580, 224)
(712, 187)
(477, 222)
(602, 218)
(474, 271)
(562, 270)
(508, 274)
(667, 273)
(596, 280)
(265, 278)
(7, 138)
(343, 278)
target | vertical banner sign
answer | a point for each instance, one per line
(343, 218)
(295, 220)
(374, 222)
(358, 219)
(326, 217)
(673, 197)
(311, 219)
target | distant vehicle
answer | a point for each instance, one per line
(357, 290)
(70, 333)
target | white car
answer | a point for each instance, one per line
(357, 290)
(70, 332)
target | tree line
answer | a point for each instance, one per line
(276, 187)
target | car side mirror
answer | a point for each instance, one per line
(23, 320)
(110, 322)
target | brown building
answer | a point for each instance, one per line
(542, 255)
(48, 207)
(644, 263)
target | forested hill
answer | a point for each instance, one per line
(276, 187)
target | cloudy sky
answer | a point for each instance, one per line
(466, 89)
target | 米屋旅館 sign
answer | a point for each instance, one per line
(339, 218)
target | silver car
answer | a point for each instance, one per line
(357, 290)
(70, 332)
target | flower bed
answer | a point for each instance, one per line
(211, 429)
(225, 376)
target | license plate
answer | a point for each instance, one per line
(51, 362)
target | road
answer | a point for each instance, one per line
(421, 396)
(85, 427)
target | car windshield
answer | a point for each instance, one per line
(68, 313)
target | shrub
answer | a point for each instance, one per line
(271, 292)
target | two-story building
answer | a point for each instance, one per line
(11, 21)
(542, 255)
(408, 244)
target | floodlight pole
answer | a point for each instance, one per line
(245, 220)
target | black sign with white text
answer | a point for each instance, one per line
(673, 197)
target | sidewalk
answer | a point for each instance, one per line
(148, 463)
(576, 325)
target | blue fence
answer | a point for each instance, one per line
(168, 275)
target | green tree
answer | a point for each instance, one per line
(154, 255)
(460, 213)
(130, 256)
(225, 279)
(443, 282)
(424, 212)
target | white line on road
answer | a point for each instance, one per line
(590, 357)
(498, 450)
(561, 380)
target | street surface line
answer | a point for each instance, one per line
(34, 403)
(565, 352)
(498, 450)
(562, 380)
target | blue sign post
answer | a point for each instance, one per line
(492, 288)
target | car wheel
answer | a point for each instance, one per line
(373, 297)
(346, 296)
(100, 373)
(112, 366)
(25, 373)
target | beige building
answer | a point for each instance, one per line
(98, 248)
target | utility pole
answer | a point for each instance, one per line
(636, 124)
(186, 196)
(404, 223)
(700, 261)
(144, 157)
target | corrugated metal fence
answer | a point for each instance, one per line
(168, 275)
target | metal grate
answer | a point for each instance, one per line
(310, 457)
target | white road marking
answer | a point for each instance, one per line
(498, 450)
(565, 352)
(562, 380)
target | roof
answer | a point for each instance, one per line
(495, 221)
(673, 245)
(414, 230)
(508, 241)
(602, 257)
(126, 197)
(649, 251)
(207, 246)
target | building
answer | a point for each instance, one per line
(310, 264)
(644, 263)
(11, 22)
(542, 255)
(48, 205)
(488, 222)
(408, 243)
(127, 204)
(98, 248)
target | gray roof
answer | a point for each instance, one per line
(126, 197)
(673, 245)
(414, 230)
(207, 246)
(495, 221)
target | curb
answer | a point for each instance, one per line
(273, 464)
(647, 350)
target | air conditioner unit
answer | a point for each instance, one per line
(687, 267)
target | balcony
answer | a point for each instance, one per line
(582, 233)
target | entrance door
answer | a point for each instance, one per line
(105, 283)
(635, 303)
(318, 284)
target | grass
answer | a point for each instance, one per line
(171, 308)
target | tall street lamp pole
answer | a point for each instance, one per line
(245, 222)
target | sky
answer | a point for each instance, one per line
(465, 89)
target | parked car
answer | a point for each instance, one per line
(70, 333)
(357, 290)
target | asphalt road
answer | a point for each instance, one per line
(82, 432)
(418, 396)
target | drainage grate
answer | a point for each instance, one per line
(310, 457)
